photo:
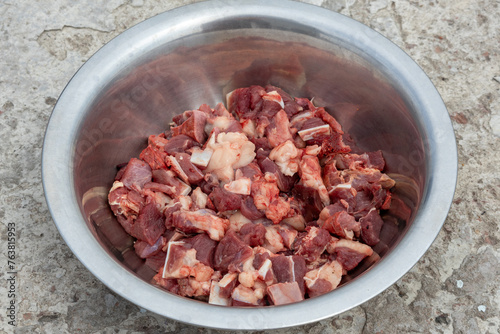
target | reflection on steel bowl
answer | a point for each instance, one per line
(197, 54)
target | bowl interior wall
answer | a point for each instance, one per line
(185, 73)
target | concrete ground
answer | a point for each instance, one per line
(454, 288)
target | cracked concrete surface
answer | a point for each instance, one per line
(453, 289)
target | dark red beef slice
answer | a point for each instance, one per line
(278, 130)
(231, 253)
(289, 269)
(325, 116)
(261, 143)
(269, 108)
(256, 93)
(311, 199)
(163, 176)
(253, 234)
(168, 234)
(252, 171)
(305, 103)
(339, 221)
(312, 243)
(371, 224)
(136, 174)
(239, 102)
(169, 214)
(145, 250)
(379, 198)
(283, 268)
(285, 182)
(399, 209)
(193, 127)
(291, 106)
(261, 154)
(225, 200)
(312, 123)
(348, 258)
(329, 144)
(246, 102)
(179, 144)
(363, 203)
(234, 126)
(209, 183)
(149, 225)
(366, 178)
(193, 173)
(114, 195)
(205, 248)
(154, 157)
(180, 118)
(288, 234)
(320, 287)
(348, 160)
(157, 261)
(249, 210)
(376, 160)
(154, 186)
(259, 259)
(371, 160)
(169, 178)
(346, 196)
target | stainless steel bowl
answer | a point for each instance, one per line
(195, 54)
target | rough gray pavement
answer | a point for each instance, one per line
(453, 289)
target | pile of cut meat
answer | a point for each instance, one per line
(258, 204)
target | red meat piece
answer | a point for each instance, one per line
(205, 248)
(194, 126)
(179, 144)
(225, 200)
(231, 253)
(290, 269)
(136, 174)
(149, 225)
(312, 244)
(371, 224)
(348, 258)
(253, 234)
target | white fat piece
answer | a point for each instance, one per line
(188, 260)
(201, 157)
(275, 97)
(240, 186)
(215, 297)
(311, 133)
(264, 269)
